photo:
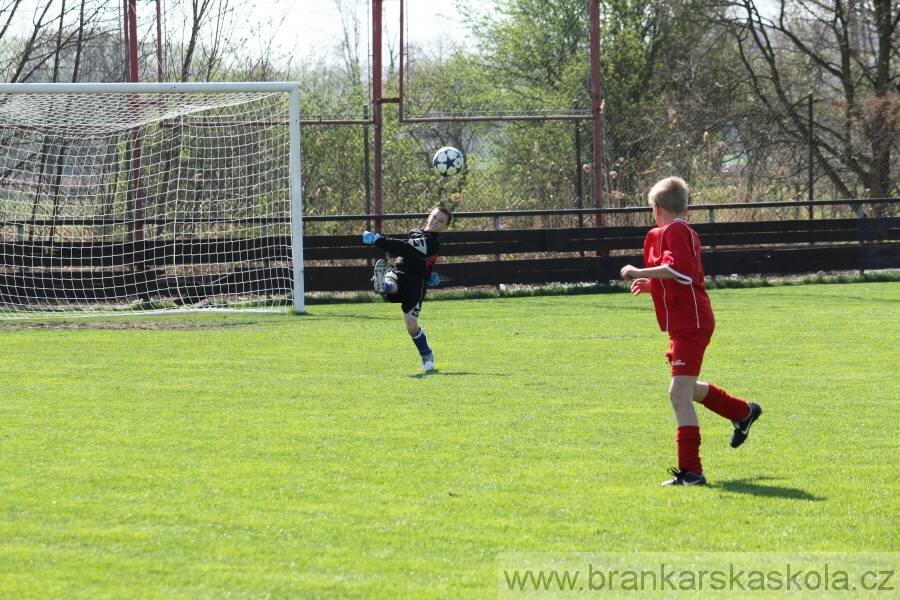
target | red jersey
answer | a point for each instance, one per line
(682, 304)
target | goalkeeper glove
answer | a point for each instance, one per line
(369, 237)
(434, 280)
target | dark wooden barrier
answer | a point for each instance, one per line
(104, 272)
(594, 254)
(94, 271)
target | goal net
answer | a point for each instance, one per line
(124, 198)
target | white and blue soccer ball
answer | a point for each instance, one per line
(448, 161)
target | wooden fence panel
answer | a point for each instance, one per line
(259, 266)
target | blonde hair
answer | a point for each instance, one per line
(671, 194)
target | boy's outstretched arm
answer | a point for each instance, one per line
(640, 278)
(629, 272)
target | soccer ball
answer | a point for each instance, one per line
(447, 161)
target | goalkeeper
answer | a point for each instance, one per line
(406, 281)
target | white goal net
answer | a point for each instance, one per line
(124, 198)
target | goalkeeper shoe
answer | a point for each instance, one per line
(742, 427)
(428, 362)
(685, 477)
(378, 278)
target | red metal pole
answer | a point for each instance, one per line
(377, 94)
(402, 60)
(136, 190)
(131, 37)
(597, 107)
(125, 40)
(159, 53)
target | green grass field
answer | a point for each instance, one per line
(275, 456)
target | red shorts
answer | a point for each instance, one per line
(686, 351)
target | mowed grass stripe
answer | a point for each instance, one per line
(274, 456)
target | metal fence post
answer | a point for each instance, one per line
(497, 228)
(367, 172)
(809, 101)
(500, 286)
(579, 190)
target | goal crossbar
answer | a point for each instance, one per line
(146, 88)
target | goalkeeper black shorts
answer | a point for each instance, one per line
(410, 293)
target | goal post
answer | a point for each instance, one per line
(149, 197)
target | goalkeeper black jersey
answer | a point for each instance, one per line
(416, 254)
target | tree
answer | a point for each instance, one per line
(60, 41)
(205, 39)
(535, 50)
(659, 58)
(842, 53)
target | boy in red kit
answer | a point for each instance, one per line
(674, 278)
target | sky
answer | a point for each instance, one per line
(299, 29)
(314, 25)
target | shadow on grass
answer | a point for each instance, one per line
(438, 372)
(755, 488)
(384, 317)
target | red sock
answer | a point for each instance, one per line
(688, 439)
(724, 404)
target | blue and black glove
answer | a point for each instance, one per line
(369, 237)
(434, 280)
